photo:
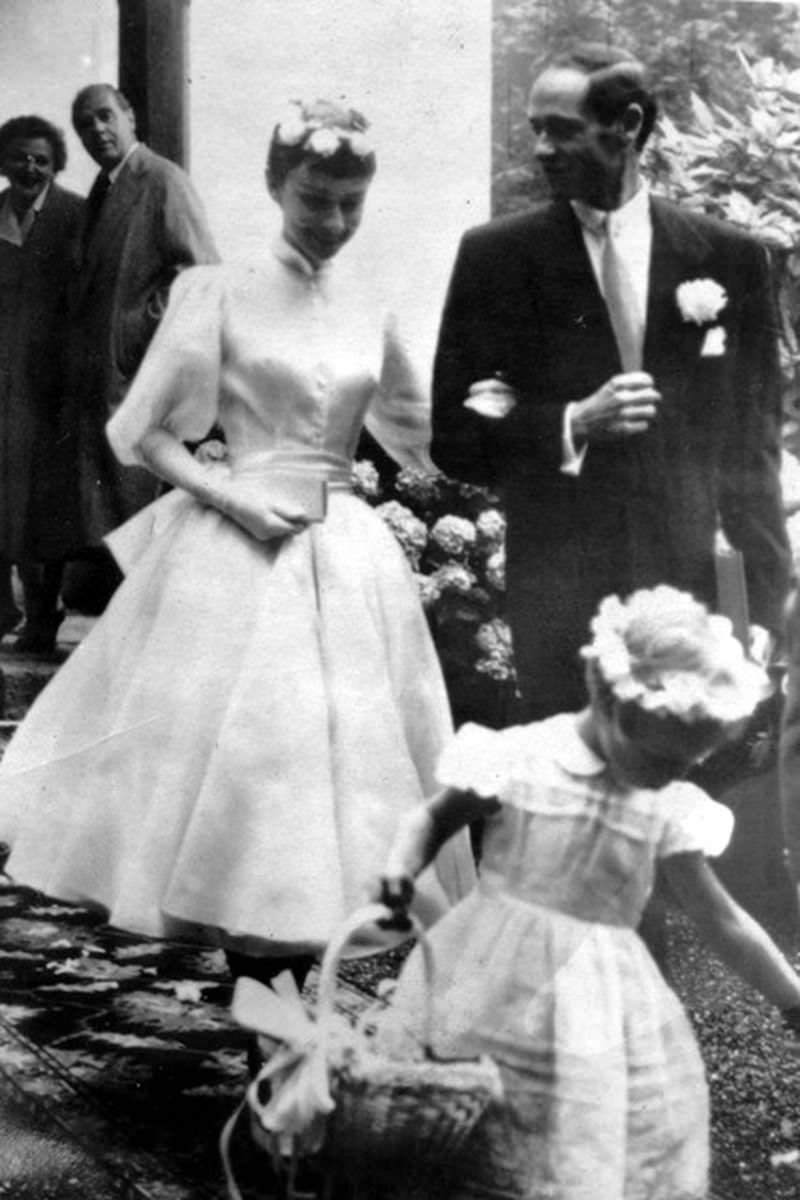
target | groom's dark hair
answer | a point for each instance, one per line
(616, 80)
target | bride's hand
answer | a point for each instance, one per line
(245, 503)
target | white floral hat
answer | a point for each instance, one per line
(663, 651)
(323, 127)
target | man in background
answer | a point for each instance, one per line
(143, 224)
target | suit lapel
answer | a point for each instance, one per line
(112, 222)
(575, 311)
(678, 254)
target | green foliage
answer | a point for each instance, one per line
(741, 166)
(691, 47)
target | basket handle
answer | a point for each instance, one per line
(326, 991)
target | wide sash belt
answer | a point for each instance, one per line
(301, 483)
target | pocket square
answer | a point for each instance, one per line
(714, 342)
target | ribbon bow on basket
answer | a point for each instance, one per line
(331, 1093)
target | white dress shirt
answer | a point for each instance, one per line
(114, 172)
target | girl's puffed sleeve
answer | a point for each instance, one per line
(693, 822)
(399, 417)
(177, 384)
(477, 760)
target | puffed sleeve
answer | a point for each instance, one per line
(693, 821)
(399, 417)
(477, 760)
(177, 384)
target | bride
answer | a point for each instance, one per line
(226, 756)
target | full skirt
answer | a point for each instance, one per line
(227, 754)
(605, 1092)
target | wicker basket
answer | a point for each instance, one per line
(412, 1116)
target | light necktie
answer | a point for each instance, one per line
(620, 298)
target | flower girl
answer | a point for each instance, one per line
(541, 965)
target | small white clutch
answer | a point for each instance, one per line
(297, 493)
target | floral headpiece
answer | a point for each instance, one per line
(663, 651)
(323, 128)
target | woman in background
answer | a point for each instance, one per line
(38, 223)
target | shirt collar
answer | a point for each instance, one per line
(570, 750)
(11, 228)
(38, 203)
(291, 257)
(114, 172)
(633, 214)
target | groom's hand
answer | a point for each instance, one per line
(624, 406)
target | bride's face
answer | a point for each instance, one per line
(320, 212)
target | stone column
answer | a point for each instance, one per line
(153, 72)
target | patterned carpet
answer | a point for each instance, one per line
(119, 1062)
(127, 1044)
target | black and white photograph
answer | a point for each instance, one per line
(399, 601)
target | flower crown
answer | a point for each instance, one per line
(323, 131)
(699, 671)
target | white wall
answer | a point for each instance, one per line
(49, 50)
(420, 71)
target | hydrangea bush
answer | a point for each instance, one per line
(453, 535)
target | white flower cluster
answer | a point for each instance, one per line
(411, 533)
(701, 300)
(301, 124)
(493, 639)
(496, 570)
(453, 577)
(663, 651)
(421, 487)
(365, 479)
(428, 588)
(491, 526)
(211, 451)
(454, 535)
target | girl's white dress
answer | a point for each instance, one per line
(542, 968)
(226, 755)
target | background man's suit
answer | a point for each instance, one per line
(523, 303)
(151, 225)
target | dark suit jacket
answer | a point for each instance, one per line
(150, 227)
(36, 481)
(523, 301)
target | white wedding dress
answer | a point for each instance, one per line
(227, 754)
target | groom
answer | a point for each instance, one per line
(609, 362)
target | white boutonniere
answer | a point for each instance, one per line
(701, 300)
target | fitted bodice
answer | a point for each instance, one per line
(576, 853)
(297, 372)
(567, 837)
(289, 365)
